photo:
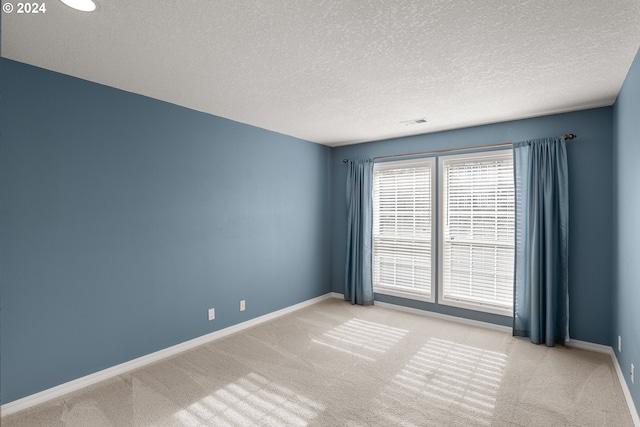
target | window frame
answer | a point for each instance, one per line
(398, 164)
(441, 220)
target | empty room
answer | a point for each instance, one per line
(328, 213)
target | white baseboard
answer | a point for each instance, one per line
(77, 384)
(625, 389)
(584, 345)
(447, 317)
(433, 314)
(599, 348)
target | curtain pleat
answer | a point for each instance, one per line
(358, 283)
(541, 277)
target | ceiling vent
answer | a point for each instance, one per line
(414, 122)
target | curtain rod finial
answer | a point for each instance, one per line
(345, 160)
(570, 136)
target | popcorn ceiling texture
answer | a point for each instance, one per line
(340, 72)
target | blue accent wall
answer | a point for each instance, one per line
(590, 210)
(626, 265)
(124, 218)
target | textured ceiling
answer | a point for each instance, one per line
(340, 72)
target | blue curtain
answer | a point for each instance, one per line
(358, 283)
(541, 298)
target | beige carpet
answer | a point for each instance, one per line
(334, 364)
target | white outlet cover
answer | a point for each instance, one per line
(633, 374)
(619, 343)
(212, 313)
(242, 305)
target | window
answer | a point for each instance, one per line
(403, 228)
(475, 223)
(477, 231)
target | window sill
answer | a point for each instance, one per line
(485, 308)
(401, 294)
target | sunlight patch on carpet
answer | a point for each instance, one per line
(459, 377)
(362, 338)
(252, 400)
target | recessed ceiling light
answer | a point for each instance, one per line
(82, 5)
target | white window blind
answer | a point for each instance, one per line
(403, 197)
(477, 231)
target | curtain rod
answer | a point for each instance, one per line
(569, 136)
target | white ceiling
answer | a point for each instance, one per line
(338, 72)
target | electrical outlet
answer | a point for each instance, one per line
(242, 306)
(212, 313)
(633, 374)
(619, 343)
